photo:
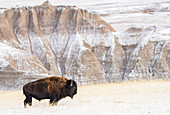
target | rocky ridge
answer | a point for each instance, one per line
(71, 42)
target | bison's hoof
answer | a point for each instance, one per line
(54, 103)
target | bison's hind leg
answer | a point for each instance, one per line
(53, 102)
(25, 103)
(28, 100)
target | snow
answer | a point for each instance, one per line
(37, 45)
(165, 32)
(5, 50)
(119, 99)
(3, 62)
(121, 14)
(136, 35)
(21, 58)
(130, 98)
(80, 40)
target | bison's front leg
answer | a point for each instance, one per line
(53, 102)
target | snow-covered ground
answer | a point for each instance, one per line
(127, 98)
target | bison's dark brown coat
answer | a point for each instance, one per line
(53, 88)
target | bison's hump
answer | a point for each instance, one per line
(54, 78)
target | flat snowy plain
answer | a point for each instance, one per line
(126, 98)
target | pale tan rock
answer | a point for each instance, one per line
(46, 32)
(72, 42)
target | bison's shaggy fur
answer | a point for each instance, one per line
(53, 88)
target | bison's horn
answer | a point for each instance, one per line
(71, 83)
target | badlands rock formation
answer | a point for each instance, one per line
(71, 42)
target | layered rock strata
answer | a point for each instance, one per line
(71, 42)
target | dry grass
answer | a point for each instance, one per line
(138, 98)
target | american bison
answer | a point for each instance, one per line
(53, 88)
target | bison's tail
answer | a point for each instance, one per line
(24, 89)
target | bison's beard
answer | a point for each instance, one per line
(71, 96)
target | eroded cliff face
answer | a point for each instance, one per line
(147, 53)
(71, 42)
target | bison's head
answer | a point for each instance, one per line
(72, 88)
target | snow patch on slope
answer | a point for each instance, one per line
(136, 35)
